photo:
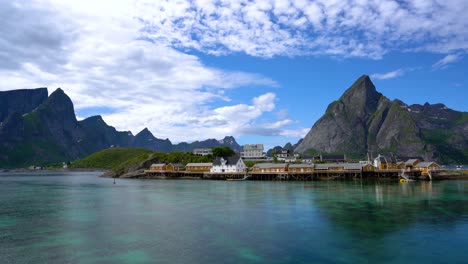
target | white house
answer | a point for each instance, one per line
(379, 161)
(228, 164)
(253, 151)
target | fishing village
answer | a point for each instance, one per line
(288, 166)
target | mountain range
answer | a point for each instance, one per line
(363, 121)
(36, 129)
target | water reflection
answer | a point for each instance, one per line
(85, 219)
(384, 207)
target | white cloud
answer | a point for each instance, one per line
(443, 63)
(129, 55)
(354, 28)
(100, 60)
(388, 75)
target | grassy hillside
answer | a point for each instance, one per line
(110, 158)
(125, 160)
(144, 161)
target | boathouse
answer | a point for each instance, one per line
(411, 163)
(158, 167)
(198, 167)
(301, 168)
(270, 167)
(426, 167)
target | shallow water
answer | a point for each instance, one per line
(80, 218)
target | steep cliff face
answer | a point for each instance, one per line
(444, 130)
(364, 121)
(345, 125)
(21, 101)
(43, 131)
(46, 133)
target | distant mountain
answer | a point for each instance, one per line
(40, 130)
(287, 146)
(364, 121)
(228, 141)
(145, 139)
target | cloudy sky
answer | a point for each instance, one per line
(262, 71)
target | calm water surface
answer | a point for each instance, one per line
(80, 218)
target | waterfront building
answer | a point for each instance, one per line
(411, 163)
(198, 167)
(385, 163)
(270, 167)
(253, 151)
(301, 168)
(401, 165)
(166, 167)
(338, 167)
(232, 164)
(426, 167)
(202, 151)
(158, 167)
(176, 167)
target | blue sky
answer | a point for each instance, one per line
(262, 71)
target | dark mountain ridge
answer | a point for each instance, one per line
(44, 130)
(364, 121)
(21, 101)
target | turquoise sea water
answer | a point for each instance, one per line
(80, 218)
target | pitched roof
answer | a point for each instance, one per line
(177, 165)
(229, 160)
(426, 164)
(346, 166)
(158, 165)
(411, 161)
(301, 166)
(270, 165)
(353, 166)
(199, 164)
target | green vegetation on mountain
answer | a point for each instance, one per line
(364, 121)
(42, 131)
(110, 158)
(133, 160)
(142, 162)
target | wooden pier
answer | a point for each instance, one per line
(285, 176)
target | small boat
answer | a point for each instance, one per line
(459, 167)
(404, 178)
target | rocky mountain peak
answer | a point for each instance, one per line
(60, 108)
(227, 140)
(145, 133)
(364, 121)
(96, 121)
(362, 96)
